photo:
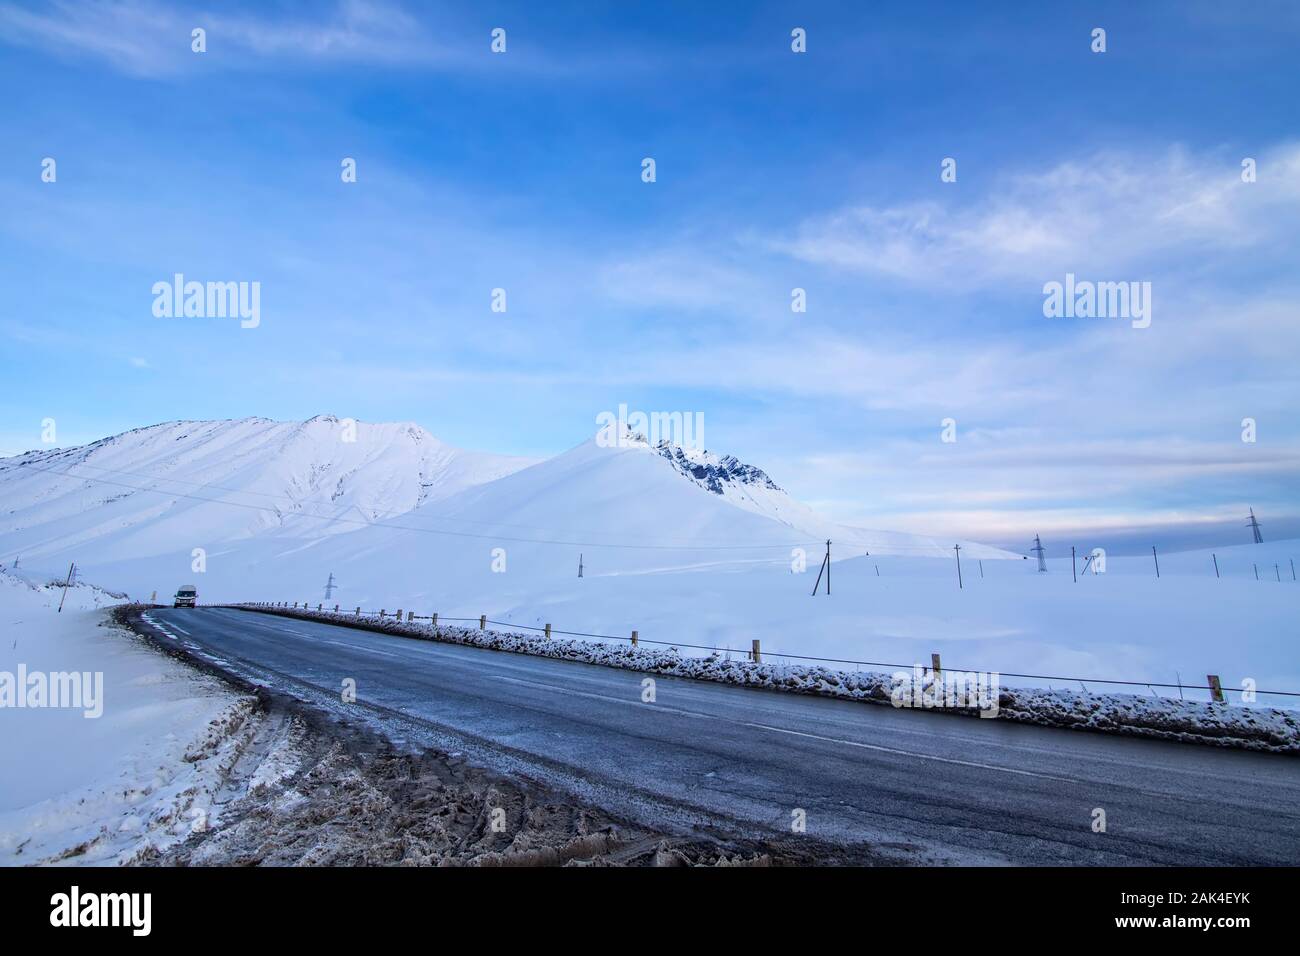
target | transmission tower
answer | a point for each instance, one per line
(1254, 526)
(1038, 550)
(330, 587)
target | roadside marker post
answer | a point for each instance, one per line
(482, 622)
(936, 667)
(634, 635)
(435, 618)
(1216, 689)
(757, 652)
(548, 631)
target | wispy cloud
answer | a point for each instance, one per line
(1110, 212)
(145, 38)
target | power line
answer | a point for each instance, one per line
(263, 494)
(435, 531)
(922, 550)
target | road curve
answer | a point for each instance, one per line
(913, 785)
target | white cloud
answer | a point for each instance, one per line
(1109, 213)
(146, 38)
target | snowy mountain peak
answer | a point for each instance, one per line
(712, 472)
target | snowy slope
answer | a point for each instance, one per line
(148, 491)
(141, 773)
(750, 488)
(634, 508)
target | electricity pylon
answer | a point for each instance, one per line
(1254, 526)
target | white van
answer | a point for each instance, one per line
(186, 596)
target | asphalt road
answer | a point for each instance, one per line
(914, 785)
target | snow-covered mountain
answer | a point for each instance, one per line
(278, 506)
(198, 483)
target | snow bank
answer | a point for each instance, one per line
(1250, 728)
(128, 783)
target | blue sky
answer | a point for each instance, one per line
(775, 170)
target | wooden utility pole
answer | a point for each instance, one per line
(65, 587)
(957, 548)
(1073, 572)
(826, 569)
(1216, 563)
(1156, 557)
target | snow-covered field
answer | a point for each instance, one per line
(685, 548)
(106, 789)
(1124, 624)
